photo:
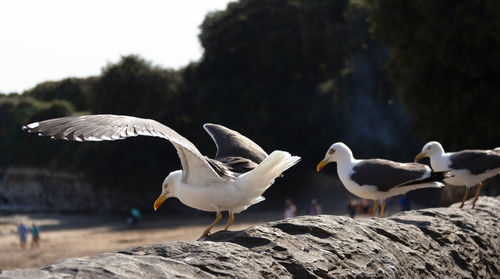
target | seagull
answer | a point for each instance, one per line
(378, 179)
(468, 167)
(234, 180)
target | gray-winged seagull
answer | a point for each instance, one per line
(468, 167)
(233, 181)
(378, 179)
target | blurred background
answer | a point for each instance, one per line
(383, 76)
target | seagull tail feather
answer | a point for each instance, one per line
(434, 180)
(263, 176)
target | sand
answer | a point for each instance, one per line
(66, 236)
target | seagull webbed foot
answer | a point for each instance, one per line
(207, 231)
(467, 189)
(203, 237)
(479, 186)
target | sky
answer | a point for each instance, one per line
(54, 39)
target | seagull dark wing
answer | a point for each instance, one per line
(233, 144)
(105, 127)
(385, 174)
(475, 161)
(236, 152)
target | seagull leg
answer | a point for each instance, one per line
(479, 186)
(230, 220)
(467, 189)
(382, 208)
(375, 207)
(207, 231)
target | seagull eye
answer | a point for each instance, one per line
(429, 148)
(331, 151)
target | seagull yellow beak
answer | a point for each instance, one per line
(419, 157)
(321, 165)
(160, 200)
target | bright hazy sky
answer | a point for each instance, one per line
(44, 40)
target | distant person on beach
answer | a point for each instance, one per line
(290, 209)
(21, 230)
(135, 217)
(366, 206)
(404, 203)
(315, 208)
(35, 236)
(351, 207)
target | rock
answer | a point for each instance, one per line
(430, 243)
(41, 190)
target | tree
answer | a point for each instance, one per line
(73, 90)
(264, 62)
(444, 66)
(135, 87)
(19, 149)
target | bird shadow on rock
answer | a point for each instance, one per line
(419, 224)
(483, 209)
(238, 237)
(295, 229)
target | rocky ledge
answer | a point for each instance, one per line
(430, 243)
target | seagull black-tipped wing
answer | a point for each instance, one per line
(237, 152)
(385, 174)
(105, 127)
(233, 144)
(475, 161)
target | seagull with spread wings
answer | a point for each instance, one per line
(234, 180)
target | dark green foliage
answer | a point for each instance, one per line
(283, 40)
(444, 65)
(134, 87)
(264, 62)
(54, 109)
(19, 149)
(73, 90)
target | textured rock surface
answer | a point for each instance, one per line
(430, 243)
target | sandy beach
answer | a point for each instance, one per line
(66, 236)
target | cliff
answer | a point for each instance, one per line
(40, 190)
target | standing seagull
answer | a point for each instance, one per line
(233, 181)
(468, 167)
(378, 179)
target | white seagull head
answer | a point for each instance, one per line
(430, 149)
(169, 187)
(336, 152)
